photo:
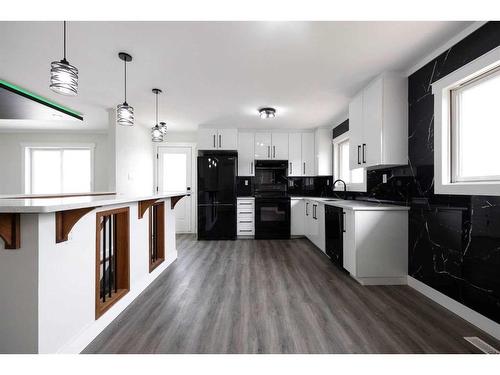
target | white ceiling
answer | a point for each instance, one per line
(217, 73)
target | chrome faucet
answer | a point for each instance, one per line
(345, 186)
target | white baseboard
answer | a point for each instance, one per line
(480, 321)
(91, 331)
(400, 280)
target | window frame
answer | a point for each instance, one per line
(357, 187)
(445, 147)
(27, 160)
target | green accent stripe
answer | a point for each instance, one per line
(41, 99)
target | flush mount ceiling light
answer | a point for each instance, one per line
(156, 133)
(267, 112)
(63, 76)
(163, 128)
(125, 112)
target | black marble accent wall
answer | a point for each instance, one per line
(454, 241)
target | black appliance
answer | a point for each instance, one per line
(334, 233)
(217, 195)
(272, 204)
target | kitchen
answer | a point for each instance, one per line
(183, 219)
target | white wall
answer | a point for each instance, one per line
(182, 137)
(11, 156)
(134, 159)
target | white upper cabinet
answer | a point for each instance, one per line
(271, 146)
(378, 123)
(323, 149)
(207, 139)
(279, 146)
(295, 154)
(227, 139)
(217, 139)
(246, 152)
(307, 166)
(262, 146)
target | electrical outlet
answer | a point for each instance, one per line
(384, 178)
(327, 182)
(246, 182)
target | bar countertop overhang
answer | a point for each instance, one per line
(46, 204)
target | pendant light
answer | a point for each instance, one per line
(163, 128)
(267, 112)
(63, 76)
(125, 112)
(156, 133)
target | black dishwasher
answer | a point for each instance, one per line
(334, 228)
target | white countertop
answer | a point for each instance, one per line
(356, 205)
(42, 205)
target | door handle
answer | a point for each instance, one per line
(274, 152)
(364, 153)
(304, 168)
(214, 142)
(359, 149)
(220, 141)
(343, 221)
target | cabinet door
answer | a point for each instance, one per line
(307, 166)
(323, 151)
(349, 257)
(295, 154)
(371, 147)
(297, 223)
(246, 143)
(320, 222)
(307, 218)
(227, 139)
(356, 131)
(207, 139)
(279, 150)
(262, 146)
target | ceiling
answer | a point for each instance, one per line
(216, 73)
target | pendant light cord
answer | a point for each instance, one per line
(64, 44)
(125, 62)
(157, 108)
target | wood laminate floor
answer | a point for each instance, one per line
(277, 296)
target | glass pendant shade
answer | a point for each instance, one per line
(125, 114)
(163, 128)
(156, 134)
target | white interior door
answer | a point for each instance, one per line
(175, 174)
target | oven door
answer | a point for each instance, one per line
(272, 218)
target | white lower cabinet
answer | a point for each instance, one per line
(297, 217)
(245, 213)
(376, 246)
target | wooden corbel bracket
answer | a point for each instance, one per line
(143, 206)
(66, 220)
(10, 230)
(174, 200)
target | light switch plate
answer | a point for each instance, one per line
(384, 178)
(246, 182)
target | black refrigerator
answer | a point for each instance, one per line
(217, 195)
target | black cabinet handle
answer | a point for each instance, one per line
(214, 141)
(314, 212)
(291, 169)
(274, 152)
(364, 153)
(251, 167)
(269, 151)
(304, 168)
(220, 141)
(343, 221)
(359, 149)
(307, 207)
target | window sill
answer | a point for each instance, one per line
(469, 188)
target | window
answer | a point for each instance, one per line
(475, 129)
(56, 170)
(467, 128)
(355, 178)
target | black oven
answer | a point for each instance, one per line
(272, 218)
(272, 204)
